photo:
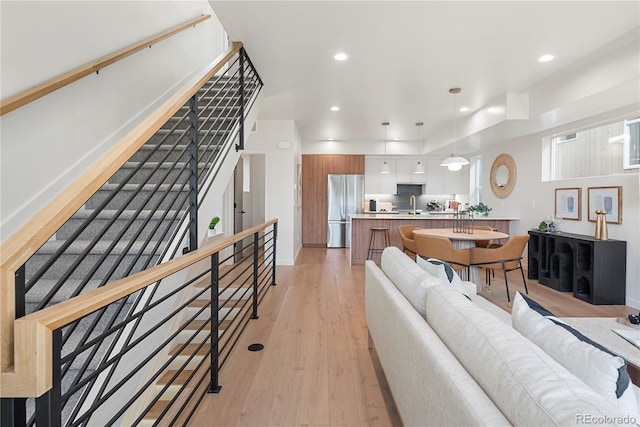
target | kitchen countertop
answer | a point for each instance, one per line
(423, 215)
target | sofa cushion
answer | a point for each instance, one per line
(602, 370)
(411, 280)
(525, 383)
(444, 272)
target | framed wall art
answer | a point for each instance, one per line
(608, 199)
(569, 203)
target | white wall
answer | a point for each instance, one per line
(50, 142)
(279, 179)
(532, 200)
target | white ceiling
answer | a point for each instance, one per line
(404, 57)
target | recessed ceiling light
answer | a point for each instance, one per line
(545, 58)
(340, 56)
(330, 139)
(335, 108)
(464, 109)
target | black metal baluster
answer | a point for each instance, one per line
(273, 261)
(214, 387)
(240, 146)
(193, 173)
(255, 276)
(49, 405)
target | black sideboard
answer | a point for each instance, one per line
(594, 270)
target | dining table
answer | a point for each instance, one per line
(465, 240)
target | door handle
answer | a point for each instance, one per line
(242, 212)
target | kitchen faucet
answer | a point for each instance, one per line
(412, 202)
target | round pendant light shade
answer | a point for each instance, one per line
(454, 162)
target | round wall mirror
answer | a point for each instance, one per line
(503, 176)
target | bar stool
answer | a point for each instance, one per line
(384, 232)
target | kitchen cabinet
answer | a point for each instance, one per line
(441, 180)
(405, 168)
(374, 181)
(315, 168)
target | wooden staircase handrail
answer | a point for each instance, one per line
(22, 244)
(29, 95)
(31, 375)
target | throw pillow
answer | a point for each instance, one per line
(446, 273)
(599, 368)
(438, 268)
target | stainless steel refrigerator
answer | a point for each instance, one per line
(345, 197)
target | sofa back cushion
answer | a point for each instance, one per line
(526, 384)
(411, 280)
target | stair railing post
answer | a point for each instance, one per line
(240, 146)
(214, 386)
(49, 405)
(193, 173)
(273, 261)
(255, 276)
(14, 410)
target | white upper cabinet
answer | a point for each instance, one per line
(438, 179)
(405, 168)
(441, 180)
(374, 181)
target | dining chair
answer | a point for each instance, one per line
(486, 244)
(407, 236)
(441, 248)
(483, 243)
(508, 257)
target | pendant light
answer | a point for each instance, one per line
(385, 167)
(454, 162)
(419, 169)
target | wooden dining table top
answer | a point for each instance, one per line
(448, 233)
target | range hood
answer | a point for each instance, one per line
(407, 190)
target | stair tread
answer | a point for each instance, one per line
(145, 187)
(199, 303)
(126, 214)
(181, 379)
(194, 325)
(157, 409)
(190, 349)
(77, 247)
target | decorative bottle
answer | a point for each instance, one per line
(604, 233)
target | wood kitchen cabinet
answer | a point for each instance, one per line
(315, 168)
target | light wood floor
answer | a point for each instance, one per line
(316, 369)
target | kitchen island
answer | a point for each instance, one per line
(361, 228)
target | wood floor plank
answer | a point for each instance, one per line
(316, 368)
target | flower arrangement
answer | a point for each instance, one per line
(481, 209)
(434, 205)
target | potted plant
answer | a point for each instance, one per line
(212, 226)
(481, 209)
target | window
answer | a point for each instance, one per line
(631, 143)
(597, 151)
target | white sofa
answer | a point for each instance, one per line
(464, 365)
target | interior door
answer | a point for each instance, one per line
(238, 207)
